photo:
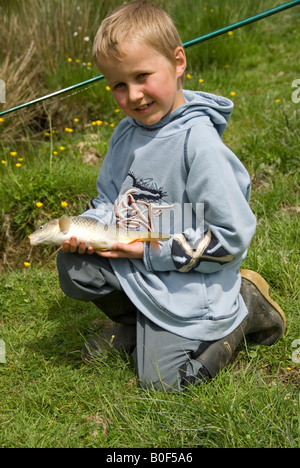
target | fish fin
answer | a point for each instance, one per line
(97, 245)
(139, 239)
(64, 223)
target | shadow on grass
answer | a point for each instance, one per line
(70, 324)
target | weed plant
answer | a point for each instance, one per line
(49, 398)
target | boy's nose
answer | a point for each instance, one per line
(135, 93)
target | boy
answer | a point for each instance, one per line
(181, 303)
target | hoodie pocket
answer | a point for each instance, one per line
(197, 300)
(190, 301)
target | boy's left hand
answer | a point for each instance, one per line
(119, 250)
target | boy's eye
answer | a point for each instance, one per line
(119, 85)
(142, 75)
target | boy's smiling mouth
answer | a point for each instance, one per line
(144, 107)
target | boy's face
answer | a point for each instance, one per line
(145, 84)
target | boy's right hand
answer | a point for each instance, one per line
(71, 246)
(118, 250)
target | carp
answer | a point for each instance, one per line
(98, 235)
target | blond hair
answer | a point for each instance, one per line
(136, 21)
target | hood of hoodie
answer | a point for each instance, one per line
(198, 103)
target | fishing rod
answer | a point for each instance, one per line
(187, 44)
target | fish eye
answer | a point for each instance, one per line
(41, 227)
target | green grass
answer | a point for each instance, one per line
(49, 398)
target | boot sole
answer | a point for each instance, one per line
(262, 286)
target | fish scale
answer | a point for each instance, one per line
(98, 235)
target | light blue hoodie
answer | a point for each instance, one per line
(190, 284)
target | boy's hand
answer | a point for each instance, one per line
(71, 246)
(119, 250)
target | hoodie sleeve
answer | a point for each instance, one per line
(218, 180)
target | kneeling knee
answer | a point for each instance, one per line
(165, 382)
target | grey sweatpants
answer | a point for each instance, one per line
(163, 360)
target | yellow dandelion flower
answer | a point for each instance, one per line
(13, 153)
(62, 148)
(69, 130)
(3, 162)
(55, 153)
(77, 60)
(70, 60)
(117, 111)
(230, 33)
(1, 120)
(39, 204)
(64, 204)
(189, 76)
(107, 88)
(233, 93)
(26, 264)
(18, 165)
(99, 122)
(47, 134)
(226, 66)
(278, 100)
(94, 123)
(112, 125)
(211, 10)
(76, 120)
(20, 159)
(89, 64)
(201, 80)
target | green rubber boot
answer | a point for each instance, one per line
(264, 324)
(119, 338)
(120, 309)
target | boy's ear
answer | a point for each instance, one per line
(180, 60)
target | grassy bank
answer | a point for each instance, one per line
(49, 398)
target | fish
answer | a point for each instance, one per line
(98, 235)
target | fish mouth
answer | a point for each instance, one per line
(32, 239)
